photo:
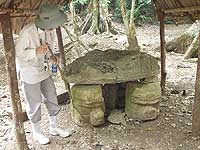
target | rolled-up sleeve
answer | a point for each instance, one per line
(23, 50)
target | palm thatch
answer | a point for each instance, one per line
(24, 11)
(179, 9)
(29, 4)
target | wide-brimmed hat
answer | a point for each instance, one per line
(50, 17)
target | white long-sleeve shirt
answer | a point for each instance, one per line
(29, 65)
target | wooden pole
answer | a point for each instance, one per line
(63, 61)
(163, 52)
(60, 46)
(12, 78)
(196, 106)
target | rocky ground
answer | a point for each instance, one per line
(172, 129)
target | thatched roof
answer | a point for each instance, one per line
(28, 4)
(179, 9)
(24, 11)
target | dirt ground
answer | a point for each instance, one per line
(172, 129)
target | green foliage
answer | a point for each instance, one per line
(85, 2)
(82, 2)
(81, 5)
(106, 2)
(169, 21)
(117, 10)
(144, 11)
(64, 8)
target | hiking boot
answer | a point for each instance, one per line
(38, 135)
(40, 138)
(60, 132)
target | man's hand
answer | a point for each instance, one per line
(42, 49)
(55, 59)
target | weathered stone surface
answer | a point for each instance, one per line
(142, 100)
(140, 93)
(116, 117)
(97, 117)
(142, 112)
(87, 105)
(111, 66)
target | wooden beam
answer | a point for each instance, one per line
(18, 11)
(196, 105)
(163, 52)
(181, 10)
(189, 14)
(12, 78)
(22, 16)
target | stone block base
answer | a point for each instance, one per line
(142, 112)
(87, 105)
(142, 99)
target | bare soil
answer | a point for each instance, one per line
(170, 131)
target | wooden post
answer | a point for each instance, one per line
(60, 46)
(63, 61)
(12, 78)
(196, 106)
(163, 52)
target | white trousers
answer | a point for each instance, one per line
(33, 98)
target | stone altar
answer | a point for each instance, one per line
(139, 70)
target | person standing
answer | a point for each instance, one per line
(33, 60)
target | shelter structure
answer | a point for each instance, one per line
(180, 10)
(14, 14)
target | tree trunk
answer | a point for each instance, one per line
(105, 17)
(133, 43)
(125, 17)
(95, 18)
(98, 20)
(12, 76)
(192, 49)
(75, 20)
(130, 27)
(86, 24)
(74, 39)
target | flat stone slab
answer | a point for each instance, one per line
(116, 117)
(111, 66)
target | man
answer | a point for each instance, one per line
(33, 58)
